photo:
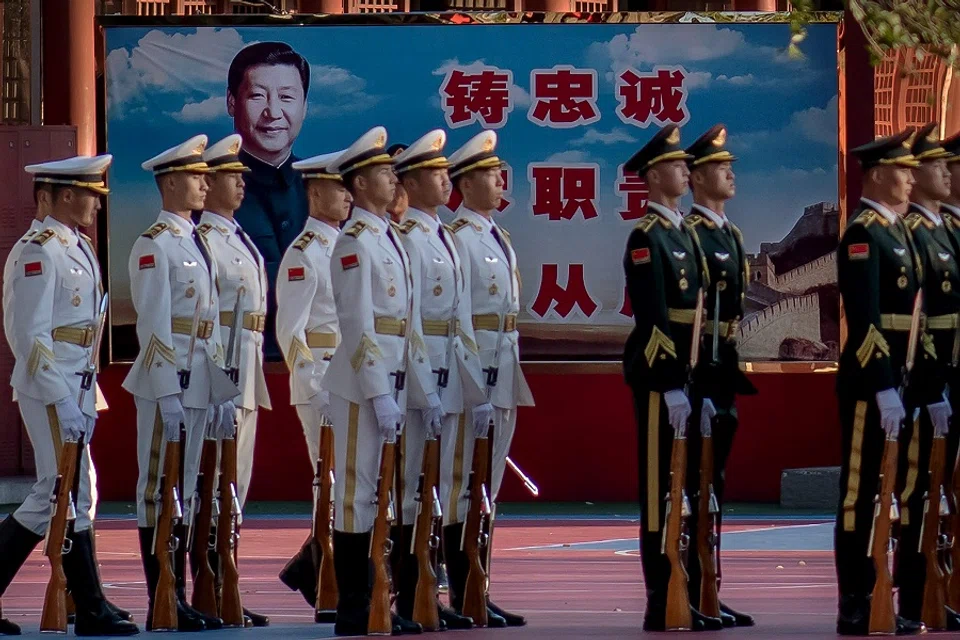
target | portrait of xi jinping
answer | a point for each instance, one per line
(267, 85)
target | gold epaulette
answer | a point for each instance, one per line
(43, 237)
(305, 239)
(459, 224)
(356, 229)
(408, 226)
(695, 219)
(870, 216)
(647, 222)
(916, 218)
(156, 230)
(205, 228)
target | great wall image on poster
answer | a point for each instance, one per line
(570, 104)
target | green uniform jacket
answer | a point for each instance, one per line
(879, 274)
(664, 269)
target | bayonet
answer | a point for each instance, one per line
(233, 342)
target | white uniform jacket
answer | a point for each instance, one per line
(307, 328)
(240, 264)
(493, 280)
(169, 276)
(8, 266)
(444, 310)
(375, 293)
(57, 287)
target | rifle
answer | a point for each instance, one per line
(883, 618)
(933, 540)
(204, 582)
(53, 618)
(165, 542)
(707, 506)
(379, 622)
(674, 540)
(231, 608)
(952, 559)
(327, 592)
(425, 538)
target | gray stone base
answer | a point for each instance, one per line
(15, 489)
(810, 488)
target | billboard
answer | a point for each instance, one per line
(570, 104)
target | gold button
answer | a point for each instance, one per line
(683, 284)
(902, 282)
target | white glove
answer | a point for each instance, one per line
(940, 413)
(678, 408)
(388, 416)
(433, 415)
(172, 415)
(320, 401)
(706, 418)
(73, 423)
(892, 412)
(482, 414)
(226, 427)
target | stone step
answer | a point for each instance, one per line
(810, 488)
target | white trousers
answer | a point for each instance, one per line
(151, 449)
(246, 442)
(357, 448)
(414, 437)
(43, 428)
(311, 421)
(505, 424)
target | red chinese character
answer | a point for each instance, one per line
(658, 96)
(560, 191)
(563, 299)
(456, 198)
(627, 308)
(469, 96)
(563, 97)
(633, 189)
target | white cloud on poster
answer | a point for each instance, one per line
(820, 125)
(205, 111)
(520, 96)
(594, 136)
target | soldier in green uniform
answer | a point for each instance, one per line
(950, 212)
(712, 182)
(664, 271)
(939, 251)
(879, 276)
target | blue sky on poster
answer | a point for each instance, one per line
(167, 84)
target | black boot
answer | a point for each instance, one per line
(953, 620)
(405, 571)
(452, 619)
(16, 544)
(180, 569)
(186, 621)
(123, 613)
(352, 566)
(302, 570)
(512, 619)
(93, 616)
(457, 569)
(739, 619)
(256, 619)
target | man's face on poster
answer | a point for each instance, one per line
(268, 110)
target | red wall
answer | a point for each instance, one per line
(578, 444)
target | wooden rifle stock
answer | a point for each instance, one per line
(53, 619)
(932, 541)
(327, 592)
(953, 582)
(231, 608)
(706, 533)
(883, 618)
(475, 538)
(204, 583)
(425, 539)
(379, 621)
(678, 616)
(165, 543)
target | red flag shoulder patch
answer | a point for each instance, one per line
(859, 251)
(350, 261)
(32, 269)
(147, 262)
(640, 256)
(295, 273)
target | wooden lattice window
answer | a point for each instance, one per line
(372, 6)
(16, 63)
(249, 7)
(478, 4)
(884, 78)
(148, 8)
(195, 7)
(589, 7)
(922, 96)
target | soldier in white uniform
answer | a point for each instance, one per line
(239, 265)
(493, 282)
(448, 333)
(57, 286)
(172, 275)
(308, 333)
(9, 265)
(381, 366)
